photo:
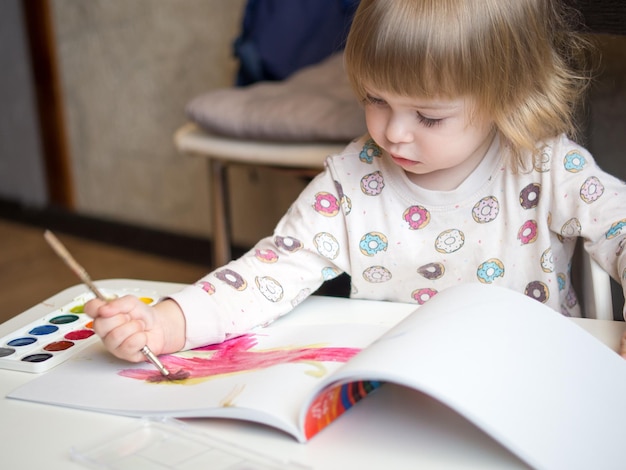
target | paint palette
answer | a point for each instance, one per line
(51, 340)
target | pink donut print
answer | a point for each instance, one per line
(421, 296)
(486, 210)
(591, 190)
(206, 287)
(372, 184)
(266, 256)
(326, 204)
(417, 217)
(527, 232)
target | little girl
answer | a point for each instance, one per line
(466, 175)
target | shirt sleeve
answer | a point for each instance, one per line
(589, 203)
(306, 249)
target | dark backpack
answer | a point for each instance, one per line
(279, 37)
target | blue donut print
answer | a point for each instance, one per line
(372, 243)
(329, 273)
(616, 229)
(574, 161)
(490, 270)
(369, 151)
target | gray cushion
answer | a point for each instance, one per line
(314, 104)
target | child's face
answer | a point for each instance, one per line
(438, 142)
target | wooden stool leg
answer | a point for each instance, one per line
(220, 213)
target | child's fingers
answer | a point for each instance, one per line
(104, 325)
(111, 313)
(92, 307)
(123, 324)
(128, 304)
(126, 340)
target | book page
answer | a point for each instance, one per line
(528, 376)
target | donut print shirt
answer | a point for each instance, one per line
(400, 242)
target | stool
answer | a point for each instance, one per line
(301, 159)
(596, 293)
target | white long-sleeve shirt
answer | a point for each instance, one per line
(400, 242)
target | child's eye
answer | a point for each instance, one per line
(369, 99)
(426, 121)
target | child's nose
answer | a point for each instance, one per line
(398, 129)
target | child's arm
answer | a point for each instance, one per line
(127, 324)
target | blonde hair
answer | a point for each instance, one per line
(516, 58)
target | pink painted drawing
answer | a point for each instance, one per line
(238, 355)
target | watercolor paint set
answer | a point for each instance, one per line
(51, 340)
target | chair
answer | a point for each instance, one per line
(291, 108)
(300, 158)
(596, 290)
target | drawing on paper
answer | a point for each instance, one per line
(237, 355)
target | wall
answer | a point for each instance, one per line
(21, 166)
(127, 70)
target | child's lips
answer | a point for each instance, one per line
(403, 161)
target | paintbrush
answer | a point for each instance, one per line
(65, 255)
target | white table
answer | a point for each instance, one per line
(390, 429)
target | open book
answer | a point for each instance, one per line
(529, 377)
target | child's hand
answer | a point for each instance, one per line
(127, 324)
